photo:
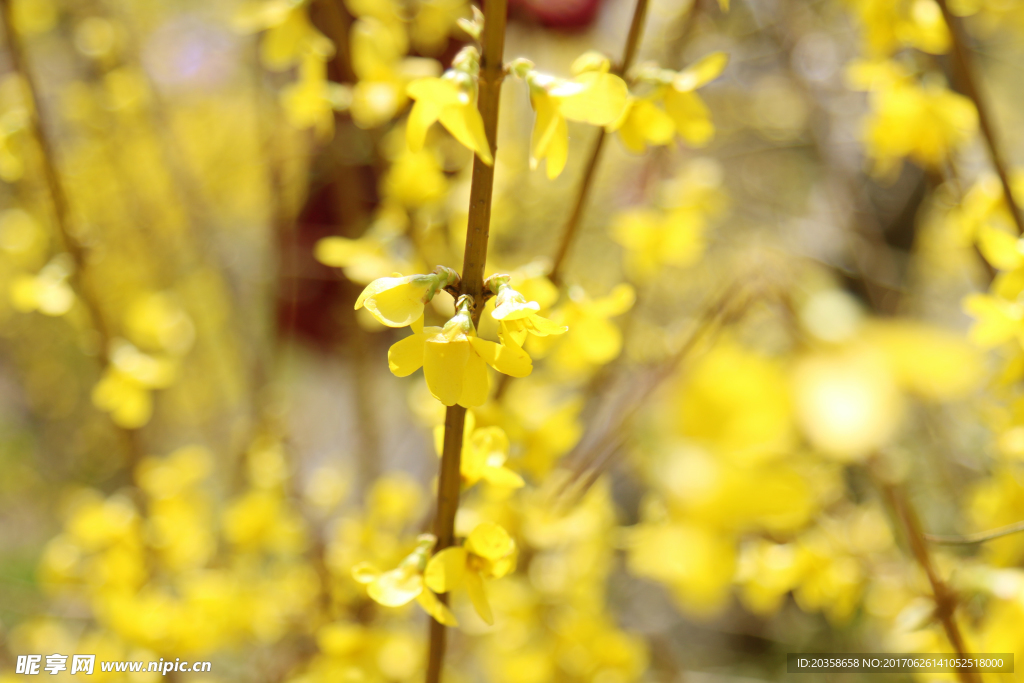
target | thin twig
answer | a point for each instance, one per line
(969, 82)
(594, 455)
(979, 537)
(472, 284)
(944, 597)
(572, 225)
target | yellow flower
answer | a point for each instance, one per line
(289, 33)
(593, 339)
(382, 248)
(653, 239)
(925, 122)
(684, 105)
(550, 137)
(997, 320)
(593, 96)
(684, 113)
(695, 562)
(378, 47)
(48, 292)
(124, 390)
(454, 359)
(405, 583)
(890, 26)
(484, 452)
(398, 301)
(312, 101)
(644, 123)
(518, 317)
(602, 96)
(489, 553)
(450, 99)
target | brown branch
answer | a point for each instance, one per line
(979, 537)
(964, 61)
(944, 597)
(62, 211)
(572, 225)
(596, 451)
(472, 284)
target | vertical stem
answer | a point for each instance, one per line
(572, 225)
(478, 229)
(472, 283)
(449, 482)
(969, 82)
(945, 599)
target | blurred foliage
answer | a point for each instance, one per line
(795, 298)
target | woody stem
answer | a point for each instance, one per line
(944, 597)
(964, 62)
(477, 231)
(61, 210)
(572, 225)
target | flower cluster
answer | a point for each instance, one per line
(453, 357)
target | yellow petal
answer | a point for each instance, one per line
(502, 476)
(704, 71)
(505, 358)
(998, 320)
(511, 309)
(601, 103)
(437, 609)
(477, 594)
(396, 301)
(656, 126)
(337, 251)
(467, 126)
(1000, 248)
(544, 126)
(598, 340)
(439, 91)
(396, 587)
(421, 117)
(691, 116)
(490, 541)
(617, 302)
(406, 356)
(631, 133)
(542, 327)
(281, 46)
(503, 566)
(558, 150)
(444, 365)
(513, 333)
(446, 570)
(476, 383)
(365, 573)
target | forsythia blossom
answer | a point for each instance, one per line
(454, 359)
(484, 452)
(593, 96)
(398, 301)
(405, 583)
(450, 99)
(518, 317)
(489, 553)
(643, 122)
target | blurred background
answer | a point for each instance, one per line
(794, 324)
